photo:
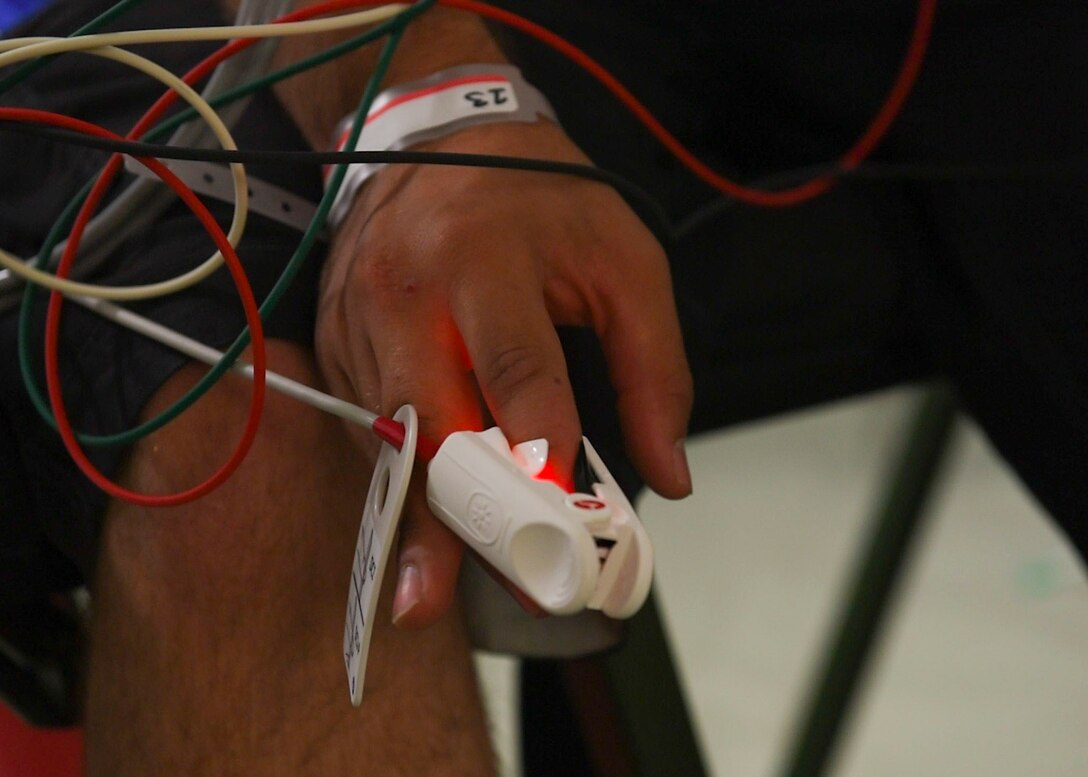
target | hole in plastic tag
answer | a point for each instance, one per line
(381, 515)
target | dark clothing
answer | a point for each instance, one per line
(50, 514)
(982, 281)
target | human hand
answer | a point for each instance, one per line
(443, 288)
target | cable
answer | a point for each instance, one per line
(854, 156)
(253, 319)
(269, 79)
(771, 181)
(144, 200)
(861, 149)
(387, 429)
(20, 49)
(958, 172)
(643, 201)
(186, 279)
(46, 46)
(210, 356)
(931, 171)
(479, 6)
(936, 171)
(900, 90)
(23, 48)
(27, 68)
(858, 152)
(122, 215)
(900, 172)
(293, 264)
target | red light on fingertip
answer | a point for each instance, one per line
(550, 474)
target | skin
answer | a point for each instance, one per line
(216, 639)
(444, 286)
(215, 644)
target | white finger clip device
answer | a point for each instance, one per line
(567, 551)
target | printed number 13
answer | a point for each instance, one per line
(481, 98)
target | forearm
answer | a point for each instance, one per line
(320, 97)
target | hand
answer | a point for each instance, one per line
(443, 289)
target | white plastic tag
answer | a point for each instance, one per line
(381, 515)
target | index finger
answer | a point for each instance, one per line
(518, 361)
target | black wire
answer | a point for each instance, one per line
(951, 172)
(641, 201)
(1072, 168)
(780, 180)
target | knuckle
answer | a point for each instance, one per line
(382, 276)
(513, 369)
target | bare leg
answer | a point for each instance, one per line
(216, 642)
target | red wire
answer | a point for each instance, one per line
(249, 303)
(391, 431)
(253, 319)
(897, 95)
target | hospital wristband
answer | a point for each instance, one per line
(430, 108)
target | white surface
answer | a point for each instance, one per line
(985, 669)
(522, 526)
(498, 681)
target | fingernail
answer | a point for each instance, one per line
(680, 466)
(409, 591)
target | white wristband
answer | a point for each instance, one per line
(432, 107)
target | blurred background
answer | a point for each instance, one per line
(981, 669)
(983, 665)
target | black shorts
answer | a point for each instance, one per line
(50, 514)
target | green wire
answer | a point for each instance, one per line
(275, 77)
(60, 226)
(290, 271)
(24, 70)
(64, 221)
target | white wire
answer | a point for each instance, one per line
(20, 49)
(145, 199)
(48, 46)
(241, 196)
(208, 355)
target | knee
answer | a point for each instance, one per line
(279, 524)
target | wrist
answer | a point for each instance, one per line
(437, 106)
(319, 98)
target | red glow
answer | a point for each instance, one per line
(550, 474)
